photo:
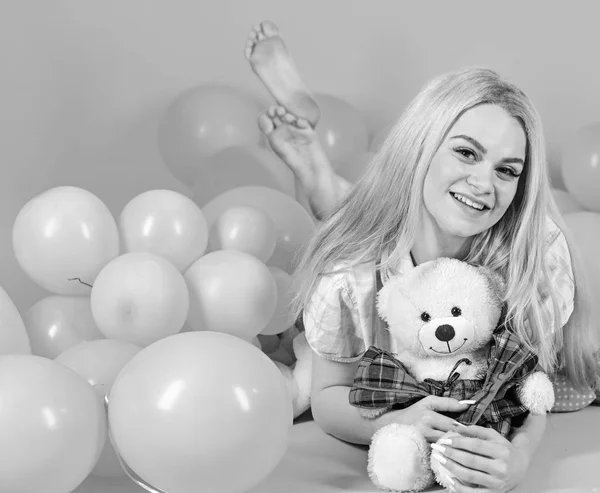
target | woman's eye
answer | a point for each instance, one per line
(509, 172)
(466, 153)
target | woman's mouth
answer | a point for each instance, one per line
(472, 205)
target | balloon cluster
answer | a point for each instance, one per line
(158, 311)
(580, 203)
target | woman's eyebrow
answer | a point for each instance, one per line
(483, 150)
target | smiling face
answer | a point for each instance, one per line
(473, 177)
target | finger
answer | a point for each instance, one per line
(464, 474)
(481, 432)
(466, 458)
(438, 421)
(485, 448)
(458, 487)
(445, 404)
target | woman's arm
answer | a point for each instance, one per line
(332, 411)
(527, 438)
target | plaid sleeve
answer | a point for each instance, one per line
(332, 322)
(561, 274)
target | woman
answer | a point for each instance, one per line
(462, 174)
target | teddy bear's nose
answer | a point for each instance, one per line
(445, 332)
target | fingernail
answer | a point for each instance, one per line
(456, 423)
(451, 481)
(445, 441)
(467, 402)
(438, 458)
(438, 447)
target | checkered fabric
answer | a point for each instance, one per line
(382, 381)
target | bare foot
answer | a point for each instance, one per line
(297, 144)
(271, 61)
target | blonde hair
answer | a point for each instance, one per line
(384, 208)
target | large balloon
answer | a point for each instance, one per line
(63, 237)
(342, 129)
(294, 225)
(165, 223)
(281, 320)
(99, 362)
(581, 166)
(565, 201)
(585, 229)
(240, 166)
(231, 292)
(13, 335)
(245, 229)
(202, 121)
(139, 297)
(200, 411)
(52, 424)
(56, 323)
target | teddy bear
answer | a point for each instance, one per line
(446, 318)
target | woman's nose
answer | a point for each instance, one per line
(481, 180)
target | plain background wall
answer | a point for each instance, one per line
(84, 83)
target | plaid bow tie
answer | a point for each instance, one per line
(382, 381)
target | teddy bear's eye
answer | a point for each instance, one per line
(456, 312)
(425, 317)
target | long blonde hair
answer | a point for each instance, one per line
(384, 208)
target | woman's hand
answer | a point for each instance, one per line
(482, 460)
(425, 415)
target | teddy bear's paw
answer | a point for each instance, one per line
(442, 475)
(537, 393)
(399, 459)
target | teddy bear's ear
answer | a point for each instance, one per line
(385, 294)
(496, 282)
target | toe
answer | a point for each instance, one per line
(273, 111)
(265, 123)
(280, 111)
(269, 28)
(249, 49)
(289, 118)
(302, 123)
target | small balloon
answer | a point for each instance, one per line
(200, 411)
(13, 334)
(63, 237)
(342, 129)
(139, 297)
(581, 166)
(380, 136)
(241, 166)
(167, 224)
(294, 225)
(202, 121)
(99, 362)
(281, 319)
(230, 292)
(56, 323)
(52, 424)
(245, 229)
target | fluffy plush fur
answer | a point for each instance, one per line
(467, 301)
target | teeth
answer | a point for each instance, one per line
(469, 202)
